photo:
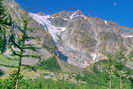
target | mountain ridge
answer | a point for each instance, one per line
(79, 40)
(87, 16)
(59, 24)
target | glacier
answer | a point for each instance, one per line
(53, 30)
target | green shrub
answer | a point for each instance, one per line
(1, 72)
(50, 64)
(42, 83)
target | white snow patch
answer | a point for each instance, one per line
(94, 56)
(43, 20)
(62, 28)
(65, 18)
(127, 36)
(105, 21)
(73, 15)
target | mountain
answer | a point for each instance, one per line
(83, 40)
(43, 40)
(79, 40)
(69, 50)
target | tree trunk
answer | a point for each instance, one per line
(19, 66)
(18, 73)
(110, 82)
(121, 82)
(131, 81)
(17, 83)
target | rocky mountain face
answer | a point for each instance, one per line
(83, 40)
(42, 37)
(80, 40)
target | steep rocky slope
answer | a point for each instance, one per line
(78, 39)
(42, 37)
(83, 40)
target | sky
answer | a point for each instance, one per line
(119, 11)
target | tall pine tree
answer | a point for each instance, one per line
(5, 24)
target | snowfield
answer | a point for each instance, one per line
(43, 20)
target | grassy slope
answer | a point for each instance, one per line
(92, 80)
(7, 62)
(41, 83)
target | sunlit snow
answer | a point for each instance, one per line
(43, 20)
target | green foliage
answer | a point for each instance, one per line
(1, 72)
(2, 44)
(17, 40)
(50, 64)
(7, 61)
(130, 56)
(18, 46)
(10, 82)
(116, 70)
(101, 79)
(5, 23)
(42, 83)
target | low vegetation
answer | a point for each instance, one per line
(50, 64)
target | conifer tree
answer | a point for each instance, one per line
(19, 45)
(116, 66)
(5, 24)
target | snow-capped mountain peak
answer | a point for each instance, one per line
(82, 40)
